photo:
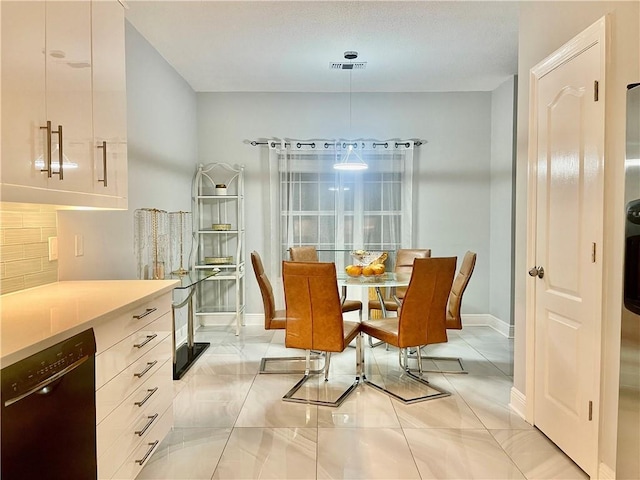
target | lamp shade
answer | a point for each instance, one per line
(351, 161)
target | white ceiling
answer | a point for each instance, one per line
(284, 46)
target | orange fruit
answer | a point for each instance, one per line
(368, 271)
(378, 268)
(353, 270)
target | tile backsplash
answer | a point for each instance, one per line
(24, 252)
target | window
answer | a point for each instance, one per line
(338, 210)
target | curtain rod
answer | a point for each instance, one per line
(416, 143)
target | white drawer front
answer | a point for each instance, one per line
(117, 437)
(134, 463)
(113, 331)
(113, 393)
(114, 360)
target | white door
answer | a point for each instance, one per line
(569, 122)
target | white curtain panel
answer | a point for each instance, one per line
(314, 204)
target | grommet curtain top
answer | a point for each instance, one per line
(338, 144)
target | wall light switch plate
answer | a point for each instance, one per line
(53, 248)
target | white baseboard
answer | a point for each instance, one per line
(468, 320)
(605, 472)
(230, 320)
(181, 335)
(254, 319)
(487, 320)
(518, 402)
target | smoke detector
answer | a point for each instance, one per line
(348, 55)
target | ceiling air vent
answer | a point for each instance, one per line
(347, 65)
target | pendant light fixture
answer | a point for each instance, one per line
(350, 160)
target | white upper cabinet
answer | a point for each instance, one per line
(57, 81)
(23, 95)
(109, 101)
(68, 93)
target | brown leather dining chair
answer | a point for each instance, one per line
(273, 319)
(314, 322)
(403, 264)
(454, 319)
(303, 253)
(421, 319)
(310, 254)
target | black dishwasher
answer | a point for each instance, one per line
(48, 413)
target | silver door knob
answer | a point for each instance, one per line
(537, 272)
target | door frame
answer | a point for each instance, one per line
(596, 33)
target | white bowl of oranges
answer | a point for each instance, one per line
(371, 271)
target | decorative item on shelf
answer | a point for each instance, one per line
(151, 238)
(180, 241)
(221, 189)
(219, 227)
(218, 260)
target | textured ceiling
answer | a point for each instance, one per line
(284, 46)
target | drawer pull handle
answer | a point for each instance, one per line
(60, 172)
(150, 365)
(146, 312)
(48, 164)
(144, 400)
(104, 162)
(147, 340)
(146, 455)
(152, 418)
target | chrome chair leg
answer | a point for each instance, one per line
(403, 357)
(419, 357)
(327, 362)
(377, 344)
(289, 396)
(359, 358)
(265, 361)
(461, 371)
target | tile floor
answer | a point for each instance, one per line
(231, 423)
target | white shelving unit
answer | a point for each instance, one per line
(218, 218)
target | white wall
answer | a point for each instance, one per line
(502, 198)
(544, 27)
(453, 168)
(162, 153)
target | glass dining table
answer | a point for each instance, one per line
(388, 279)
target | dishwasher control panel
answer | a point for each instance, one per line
(54, 361)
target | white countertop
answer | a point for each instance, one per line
(39, 317)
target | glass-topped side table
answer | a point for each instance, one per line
(186, 354)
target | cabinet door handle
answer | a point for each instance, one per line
(104, 162)
(146, 455)
(152, 418)
(144, 400)
(48, 165)
(60, 171)
(150, 365)
(147, 340)
(146, 312)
